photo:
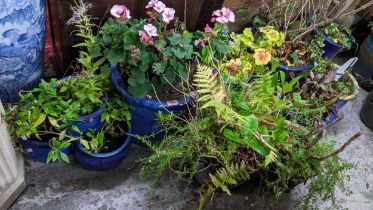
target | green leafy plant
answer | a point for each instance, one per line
(338, 35)
(149, 52)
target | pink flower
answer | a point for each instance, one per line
(150, 29)
(151, 4)
(117, 10)
(223, 16)
(145, 38)
(159, 6)
(120, 11)
(168, 15)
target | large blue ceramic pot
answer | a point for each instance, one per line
(103, 161)
(144, 110)
(22, 36)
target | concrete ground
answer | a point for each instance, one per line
(60, 186)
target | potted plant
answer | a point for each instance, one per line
(335, 39)
(151, 63)
(235, 133)
(106, 148)
(38, 123)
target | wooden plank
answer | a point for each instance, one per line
(12, 171)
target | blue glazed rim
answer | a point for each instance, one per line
(97, 112)
(307, 67)
(126, 143)
(331, 42)
(33, 142)
(119, 85)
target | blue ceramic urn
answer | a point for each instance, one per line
(22, 37)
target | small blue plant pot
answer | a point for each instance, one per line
(88, 122)
(38, 150)
(144, 110)
(331, 48)
(102, 161)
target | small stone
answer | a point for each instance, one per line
(246, 198)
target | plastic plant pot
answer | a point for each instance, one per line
(38, 150)
(296, 69)
(366, 113)
(103, 161)
(144, 110)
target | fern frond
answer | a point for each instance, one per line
(270, 158)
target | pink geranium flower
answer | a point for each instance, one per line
(223, 16)
(117, 10)
(120, 11)
(150, 29)
(151, 4)
(159, 6)
(168, 15)
(145, 38)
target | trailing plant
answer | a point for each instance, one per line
(150, 53)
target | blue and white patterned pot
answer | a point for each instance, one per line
(22, 39)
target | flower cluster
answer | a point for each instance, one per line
(223, 16)
(120, 11)
(146, 35)
(168, 14)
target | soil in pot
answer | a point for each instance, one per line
(116, 138)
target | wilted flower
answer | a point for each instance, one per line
(223, 16)
(168, 15)
(159, 6)
(209, 30)
(150, 29)
(262, 57)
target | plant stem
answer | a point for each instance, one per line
(315, 26)
(336, 152)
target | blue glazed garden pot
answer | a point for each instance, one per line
(103, 161)
(88, 122)
(331, 48)
(22, 37)
(295, 69)
(38, 150)
(91, 121)
(144, 110)
(334, 112)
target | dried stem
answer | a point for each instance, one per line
(336, 152)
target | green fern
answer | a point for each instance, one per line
(270, 158)
(208, 86)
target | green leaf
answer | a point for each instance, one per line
(175, 39)
(159, 68)
(39, 121)
(115, 56)
(53, 122)
(64, 157)
(62, 135)
(258, 147)
(295, 58)
(178, 52)
(85, 144)
(251, 123)
(229, 134)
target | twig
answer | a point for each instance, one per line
(336, 152)
(315, 26)
(260, 138)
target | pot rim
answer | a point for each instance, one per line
(119, 84)
(307, 67)
(125, 144)
(334, 44)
